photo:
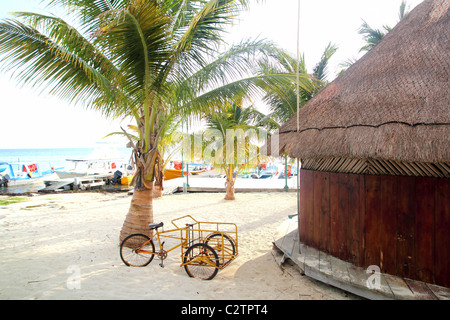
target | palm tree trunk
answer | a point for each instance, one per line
(229, 184)
(158, 191)
(229, 187)
(140, 214)
(159, 180)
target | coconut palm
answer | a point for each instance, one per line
(230, 138)
(169, 144)
(282, 101)
(145, 58)
(373, 36)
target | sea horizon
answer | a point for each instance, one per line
(56, 157)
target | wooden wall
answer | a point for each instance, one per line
(401, 224)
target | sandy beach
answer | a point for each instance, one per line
(51, 241)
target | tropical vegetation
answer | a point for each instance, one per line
(232, 140)
(148, 59)
(373, 36)
(282, 102)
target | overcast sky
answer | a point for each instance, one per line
(28, 120)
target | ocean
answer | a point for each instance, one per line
(56, 158)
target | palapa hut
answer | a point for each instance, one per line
(375, 152)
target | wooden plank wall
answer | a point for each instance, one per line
(401, 224)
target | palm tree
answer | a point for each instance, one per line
(283, 101)
(145, 58)
(231, 136)
(373, 36)
(320, 71)
(168, 146)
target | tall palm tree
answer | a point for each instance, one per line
(145, 58)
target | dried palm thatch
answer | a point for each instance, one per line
(390, 106)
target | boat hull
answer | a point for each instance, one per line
(67, 175)
(21, 174)
(30, 181)
(170, 174)
(126, 180)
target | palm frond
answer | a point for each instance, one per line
(137, 40)
(38, 61)
(320, 70)
(244, 88)
(239, 60)
(403, 11)
(203, 29)
(371, 36)
(88, 12)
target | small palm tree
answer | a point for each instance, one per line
(230, 138)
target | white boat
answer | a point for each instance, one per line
(18, 174)
(85, 167)
(105, 159)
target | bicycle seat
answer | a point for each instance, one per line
(153, 226)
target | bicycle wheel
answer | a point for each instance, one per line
(137, 250)
(223, 244)
(201, 261)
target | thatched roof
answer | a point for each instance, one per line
(393, 104)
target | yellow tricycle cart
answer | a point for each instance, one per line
(206, 247)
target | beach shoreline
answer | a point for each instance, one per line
(65, 246)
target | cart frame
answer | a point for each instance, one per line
(221, 236)
(203, 245)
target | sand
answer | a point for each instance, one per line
(66, 246)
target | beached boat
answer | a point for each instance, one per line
(105, 159)
(175, 170)
(126, 180)
(85, 167)
(119, 178)
(17, 174)
(170, 174)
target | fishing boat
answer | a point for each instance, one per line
(268, 172)
(105, 159)
(170, 173)
(84, 167)
(17, 174)
(175, 171)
